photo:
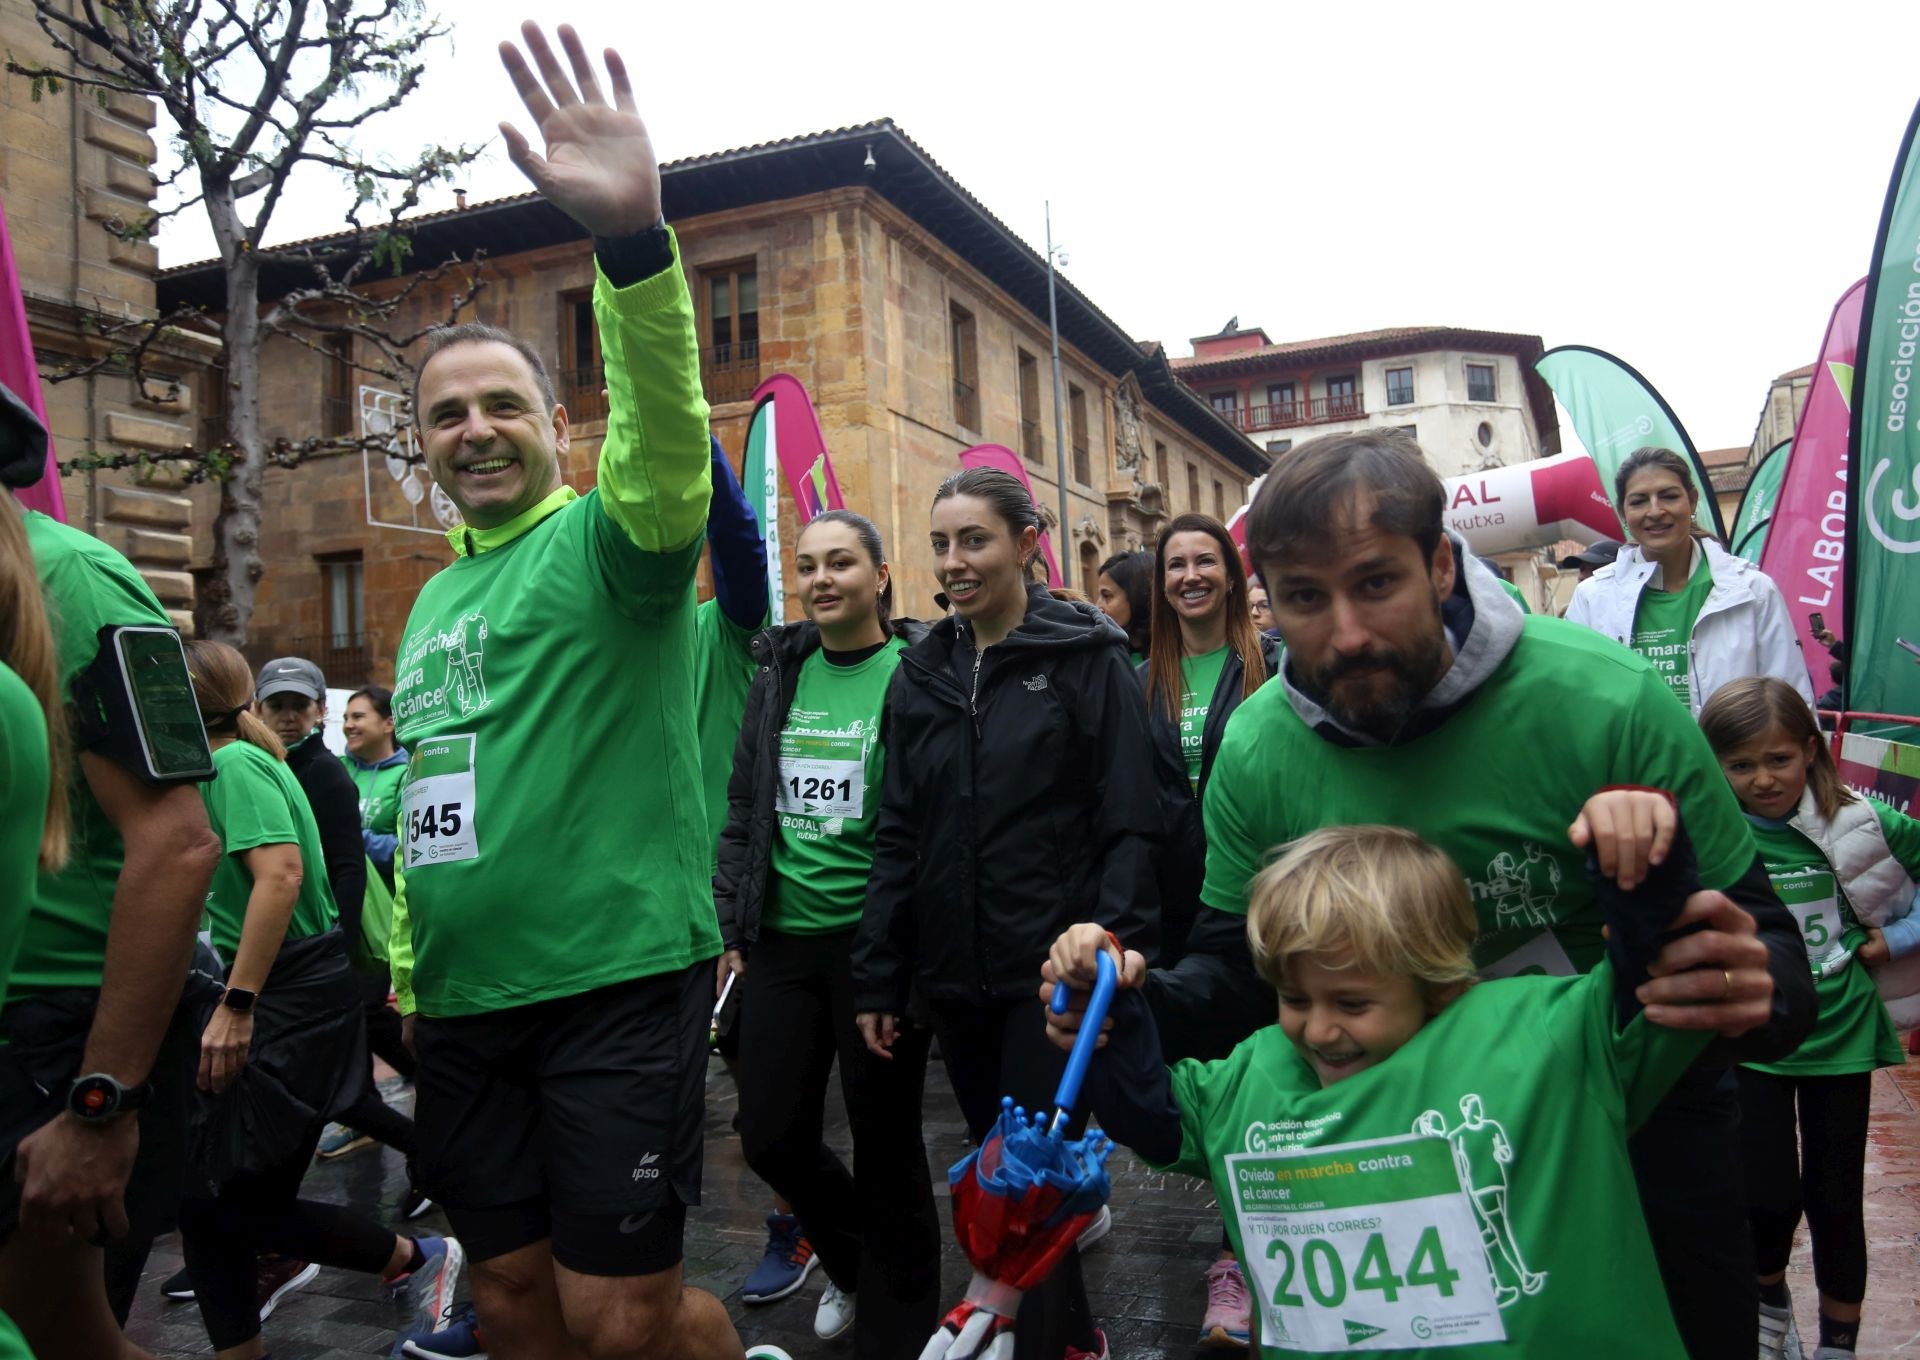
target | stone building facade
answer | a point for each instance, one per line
(916, 321)
(74, 164)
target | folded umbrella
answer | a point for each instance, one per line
(1023, 1197)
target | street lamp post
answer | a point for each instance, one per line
(1065, 552)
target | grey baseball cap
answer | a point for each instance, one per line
(291, 675)
(1599, 553)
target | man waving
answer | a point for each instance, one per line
(553, 833)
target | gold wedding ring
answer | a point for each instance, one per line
(1729, 980)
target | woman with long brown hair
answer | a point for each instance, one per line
(282, 1048)
(33, 758)
(1206, 657)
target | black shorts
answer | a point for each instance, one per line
(160, 1171)
(578, 1120)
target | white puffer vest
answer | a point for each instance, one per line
(1877, 886)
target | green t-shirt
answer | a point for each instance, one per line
(1663, 629)
(1496, 786)
(379, 787)
(554, 832)
(254, 800)
(24, 771)
(722, 675)
(1470, 1196)
(88, 586)
(831, 763)
(1201, 675)
(1854, 1032)
(13, 1346)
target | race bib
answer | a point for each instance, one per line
(1813, 899)
(822, 776)
(1365, 1246)
(437, 813)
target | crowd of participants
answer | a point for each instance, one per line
(1575, 926)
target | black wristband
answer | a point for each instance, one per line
(627, 260)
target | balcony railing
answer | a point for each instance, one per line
(1280, 416)
(582, 392)
(966, 405)
(346, 659)
(1031, 443)
(730, 372)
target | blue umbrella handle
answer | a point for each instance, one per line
(1089, 1038)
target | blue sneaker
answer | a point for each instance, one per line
(789, 1259)
(429, 1289)
(461, 1341)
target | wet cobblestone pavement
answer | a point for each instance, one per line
(1145, 1277)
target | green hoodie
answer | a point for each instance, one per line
(554, 835)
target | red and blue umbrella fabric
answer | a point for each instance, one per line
(1022, 1198)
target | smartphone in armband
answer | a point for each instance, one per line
(135, 705)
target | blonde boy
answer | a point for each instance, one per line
(1410, 1161)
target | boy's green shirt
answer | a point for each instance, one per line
(554, 831)
(1469, 1196)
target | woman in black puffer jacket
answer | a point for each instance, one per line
(1019, 797)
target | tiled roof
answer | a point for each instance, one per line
(1804, 372)
(1350, 346)
(1714, 458)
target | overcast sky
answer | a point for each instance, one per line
(1691, 186)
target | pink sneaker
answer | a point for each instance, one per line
(1229, 1320)
(1074, 1353)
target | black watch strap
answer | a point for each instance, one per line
(98, 1097)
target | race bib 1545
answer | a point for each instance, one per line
(437, 816)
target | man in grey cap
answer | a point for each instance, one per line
(291, 698)
(1597, 554)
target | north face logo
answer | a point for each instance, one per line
(1035, 683)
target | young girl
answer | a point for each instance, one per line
(792, 880)
(1394, 1168)
(1844, 866)
(1019, 797)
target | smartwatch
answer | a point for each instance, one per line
(97, 1097)
(239, 999)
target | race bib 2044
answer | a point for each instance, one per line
(437, 814)
(1365, 1246)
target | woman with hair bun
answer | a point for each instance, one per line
(1019, 793)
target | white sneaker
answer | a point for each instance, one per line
(767, 1353)
(835, 1313)
(1779, 1336)
(1102, 1225)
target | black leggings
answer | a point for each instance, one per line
(876, 1229)
(1001, 1049)
(370, 1114)
(261, 1210)
(1820, 1168)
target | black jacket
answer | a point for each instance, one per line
(1185, 863)
(335, 801)
(746, 842)
(1019, 798)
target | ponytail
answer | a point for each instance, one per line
(223, 687)
(27, 649)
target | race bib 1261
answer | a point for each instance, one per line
(822, 776)
(1364, 1246)
(437, 816)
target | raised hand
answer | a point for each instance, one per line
(599, 168)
